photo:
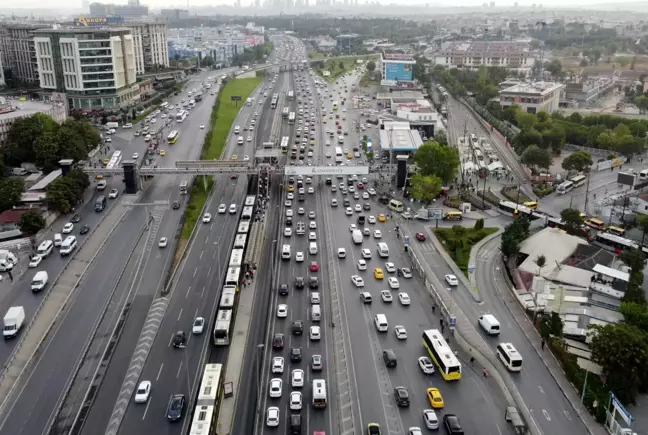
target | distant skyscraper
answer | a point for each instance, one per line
(492, 4)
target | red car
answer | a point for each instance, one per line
(360, 186)
(314, 266)
(420, 237)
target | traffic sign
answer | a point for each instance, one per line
(453, 321)
(406, 240)
(236, 98)
(471, 268)
(436, 213)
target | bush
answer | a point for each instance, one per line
(479, 224)
(543, 190)
(458, 241)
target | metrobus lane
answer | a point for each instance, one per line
(477, 401)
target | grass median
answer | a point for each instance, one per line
(333, 66)
(459, 240)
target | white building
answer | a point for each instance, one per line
(532, 97)
(12, 110)
(2, 79)
(472, 55)
(150, 42)
(94, 67)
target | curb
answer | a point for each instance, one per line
(475, 251)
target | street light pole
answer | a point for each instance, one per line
(258, 375)
(587, 191)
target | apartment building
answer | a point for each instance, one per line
(472, 55)
(18, 52)
(533, 97)
(150, 42)
(94, 67)
(13, 110)
(2, 80)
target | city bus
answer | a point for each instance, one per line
(115, 160)
(445, 359)
(284, 144)
(291, 118)
(273, 102)
(578, 180)
(181, 116)
(617, 243)
(291, 95)
(222, 327)
(236, 259)
(565, 187)
(319, 393)
(285, 112)
(205, 421)
(339, 157)
(335, 105)
(173, 136)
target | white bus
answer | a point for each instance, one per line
(205, 415)
(291, 95)
(578, 180)
(509, 356)
(284, 144)
(181, 116)
(285, 112)
(173, 137)
(222, 327)
(164, 105)
(115, 160)
(565, 187)
(291, 118)
(228, 297)
(233, 276)
(339, 157)
(319, 393)
(240, 240)
(250, 200)
(442, 355)
(236, 259)
(247, 213)
(243, 228)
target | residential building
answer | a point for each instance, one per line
(2, 81)
(175, 14)
(348, 43)
(18, 52)
(95, 67)
(12, 110)
(150, 43)
(133, 10)
(472, 55)
(533, 97)
(396, 67)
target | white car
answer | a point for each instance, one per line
(341, 253)
(301, 210)
(35, 261)
(282, 311)
(275, 387)
(390, 267)
(312, 225)
(297, 378)
(232, 208)
(311, 190)
(430, 419)
(249, 138)
(357, 280)
(207, 218)
(295, 401)
(113, 194)
(163, 242)
(312, 235)
(222, 209)
(353, 227)
(135, 156)
(377, 234)
(143, 392)
(202, 125)
(67, 228)
(288, 203)
(362, 265)
(452, 280)
(371, 191)
(299, 257)
(366, 253)
(393, 282)
(386, 296)
(400, 331)
(288, 232)
(277, 364)
(315, 333)
(404, 298)
(328, 155)
(358, 208)
(314, 298)
(246, 158)
(371, 219)
(425, 363)
(290, 195)
(198, 326)
(365, 195)
(348, 211)
(406, 272)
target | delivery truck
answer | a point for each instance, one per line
(7, 260)
(13, 321)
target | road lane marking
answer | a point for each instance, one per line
(179, 369)
(180, 314)
(195, 272)
(202, 292)
(157, 378)
(546, 414)
(147, 407)
(201, 254)
(188, 290)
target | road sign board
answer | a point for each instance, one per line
(453, 321)
(436, 213)
(406, 240)
(471, 268)
(236, 98)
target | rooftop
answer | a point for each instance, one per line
(481, 48)
(10, 109)
(535, 88)
(405, 96)
(81, 30)
(395, 57)
(45, 181)
(398, 136)
(11, 216)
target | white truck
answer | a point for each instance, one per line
(357, 237)
(110, 125)
(7, 260)
(39, 281)
(13, 321)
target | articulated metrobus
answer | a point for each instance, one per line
(291, 95)
(205, 421)
(442, 355)
(181, 116)
(291, 118)
(285, 112)
(284, 144)
(173, 136)
(115, 160)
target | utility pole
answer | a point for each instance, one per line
(465, 138)
(587, 190)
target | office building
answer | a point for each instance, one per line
(175, 14)
(473, 55)
(396, 67)
(532, 97)
(2, 80)
(133, 10)
(18, 52)
(150, 42)
(94, 67)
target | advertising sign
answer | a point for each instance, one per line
(399, 72)
(326, 170)
(99, 21)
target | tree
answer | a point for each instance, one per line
(535, 157)
(23, 134)
(31, 222)
(572, 219)
(622, 352)
(524, 120)
(513, 235)
(10, 191)
(441, 138)
(426, 187)
(527, 138)
(540, 261)
(554, 138)
(341, 65)
(577, 161)
(65, 192)
(207, 61)
(371, 66)
(434, 159)
(551, 325)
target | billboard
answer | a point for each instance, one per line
(399, 72)
(326, 170)
(99, 21)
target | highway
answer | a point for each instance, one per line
(37, 397)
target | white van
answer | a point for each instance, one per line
(383, 250)
(285, 252)
(312, 248)
(39, 281)
(237, 129)
(316, 313)
(490, 324)
(58, 239)
(381, 323)
(68, 245)
(395, 205)
(240, 140)
(45, 248)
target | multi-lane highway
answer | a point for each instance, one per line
(37, 397)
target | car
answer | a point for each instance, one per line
(299, 257)
(404, 298)
(317, 363)
(371, 219)
(386, 296)
(452, 280)
(312, 225)
(67, 228)
(400, 331)
(312, 235)
(353, 227)
(113, 193)
(435, 398)
(341, 253)
(202, 126)
(176, 205)
(207, 218)
(452, 425)
(295, 354)
(315, 333)
(378, 273)
(35, 260)
(421, 237)
(297, 378)
(143, 392)
(402, 397)
(373, 429)
(198, 326)
(301, 211)
(382, 217)
(222, 209)
(290, 195)
(277, 364)
(393, 282)
(348, 211)
(366, 253)
(276, 387)
(84, 229)
(282, 311)
(179, 340)
(371, 191)
(426, 365)
(163, 242)
(406, 272)
(135, 156)
(311, 214)
(414, 430)
(295, 401)
(357, 208)
(362, 265)
(278, 341)
(272, 417)
(377, 234)
(357, 280)
(390, 267)
(175, 409)
(287, 232)
(249, 138)
(430, 419)
(313, 266)
(283, 289)
(299, 282)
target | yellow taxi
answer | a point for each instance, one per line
(350, 156)
(99, 177)
(382, 217)
(378, 273)
(291, 188)
(312, 142)
(105, 161)
(435, 398)
(162, 153)
(234, 157)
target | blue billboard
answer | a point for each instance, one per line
(399, 72)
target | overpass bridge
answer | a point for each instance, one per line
(291, 63)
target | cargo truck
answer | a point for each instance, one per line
(13, 321)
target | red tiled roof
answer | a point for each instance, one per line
(11, 216)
